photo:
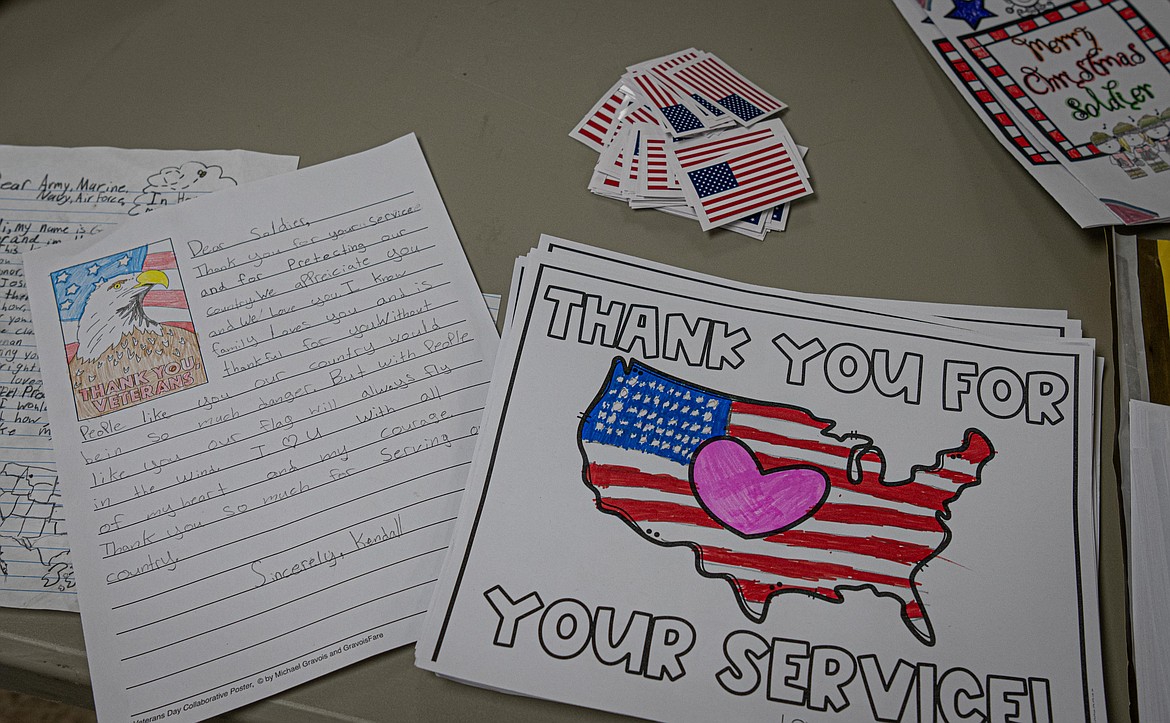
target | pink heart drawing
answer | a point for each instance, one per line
(741, 496)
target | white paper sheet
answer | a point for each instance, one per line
(1090, 78)
(72, 196)
(289, 515)
(1149, 553)
(599, 573)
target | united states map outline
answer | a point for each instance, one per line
(975, 450)
(54, 560)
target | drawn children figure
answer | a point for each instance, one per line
(1118, 153)
(1159, 134)
(1145, 146)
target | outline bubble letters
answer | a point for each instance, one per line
(596, 321)
(1003, 393)
(649, 646)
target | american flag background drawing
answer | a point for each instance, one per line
(72, 287)
(752, 178)
(714, 79)
(639, 439)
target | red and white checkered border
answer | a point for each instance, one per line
(977, 44)
(987, 101)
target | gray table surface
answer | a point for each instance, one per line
(914, 197)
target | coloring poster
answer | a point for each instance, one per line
(694, 503)
(1092, 80)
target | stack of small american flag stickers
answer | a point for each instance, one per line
(688, 135)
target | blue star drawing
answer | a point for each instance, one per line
(970, 11)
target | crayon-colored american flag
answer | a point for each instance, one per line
(595, 126)
(638, 440)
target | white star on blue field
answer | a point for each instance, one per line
(73, 285)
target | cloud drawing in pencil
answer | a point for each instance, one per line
(174, 184)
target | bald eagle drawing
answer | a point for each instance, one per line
(113, 310)
(124, 355)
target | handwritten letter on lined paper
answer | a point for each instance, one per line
(273, 469)
(72, 195)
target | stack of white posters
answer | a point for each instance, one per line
(700, 500)
(1149, 554)
(689, 135)
(266, 402)
(1076, 91)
